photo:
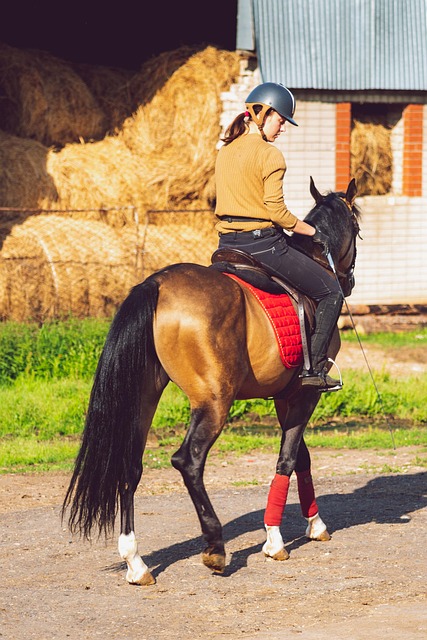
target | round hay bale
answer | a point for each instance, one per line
(187, 107)
(165, 154)
(185, 236)
(156, 71)
(120, 91)
(371, 158)
(54, 267)
(44, 99)
(112, 88)
(98, 176)
(24, 178)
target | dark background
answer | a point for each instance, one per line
(121, 34)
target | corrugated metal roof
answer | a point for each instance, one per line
(338, 44)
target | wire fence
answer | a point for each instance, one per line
(82, 262)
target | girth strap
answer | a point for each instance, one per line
(305, 349)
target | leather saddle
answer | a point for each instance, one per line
(246, 267)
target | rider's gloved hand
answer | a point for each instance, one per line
(322, 239)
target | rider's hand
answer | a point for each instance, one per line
(322, 239)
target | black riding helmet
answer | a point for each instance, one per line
(271, 95)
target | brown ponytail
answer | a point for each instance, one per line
(237, 128)
(240, 124)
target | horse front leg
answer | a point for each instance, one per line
(137, 570)
(293, 415)
(189, 460)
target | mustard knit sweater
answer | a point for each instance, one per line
(249, 183)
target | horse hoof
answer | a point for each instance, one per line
(214, 561)
(323, 537)
(145, 580)
(280, 555)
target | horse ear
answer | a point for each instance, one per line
(314, 192)
(351, 194)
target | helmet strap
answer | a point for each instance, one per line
(259, 117)
(263, 136)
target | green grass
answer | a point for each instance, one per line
(413, 338)
(32, 454)
(36, 408)
(66, 349)
(19, 455)
(46, 375)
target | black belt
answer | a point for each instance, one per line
(256, 233)
(241, 219)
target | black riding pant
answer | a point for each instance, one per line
(271, 249)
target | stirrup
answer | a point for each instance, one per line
(321, 380)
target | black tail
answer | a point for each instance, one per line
(111, 434)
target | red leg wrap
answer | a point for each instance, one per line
(307, 500)
(276, 500)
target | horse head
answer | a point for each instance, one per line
(337, 215)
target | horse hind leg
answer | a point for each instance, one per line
(316, 528)
(137, 571)
(205, 426)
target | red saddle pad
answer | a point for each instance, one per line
(284, 320)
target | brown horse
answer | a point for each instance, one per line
(197, 327)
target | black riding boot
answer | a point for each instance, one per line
(326, 316)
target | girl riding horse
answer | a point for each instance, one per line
(251, 215)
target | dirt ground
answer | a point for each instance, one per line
(367, 582)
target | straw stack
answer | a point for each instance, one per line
(371, 158)
(104, 147)
(52, 266)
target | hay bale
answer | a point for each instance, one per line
(185, 236)
(156, 72)
(187, 108)
(112, 89)
(25, 181)
(44, 99)
(121, 91)
(97, 176)
(371, 158)
(52, 267)
(165, 154)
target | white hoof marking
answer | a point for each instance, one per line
(316, 527)
(128, 550)
(274, 546)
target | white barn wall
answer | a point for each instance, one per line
(391, 267)
(424, 180)
(309, 150)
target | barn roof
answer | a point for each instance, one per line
(347, 45)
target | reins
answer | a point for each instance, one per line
(339, 274)
(332, 265)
